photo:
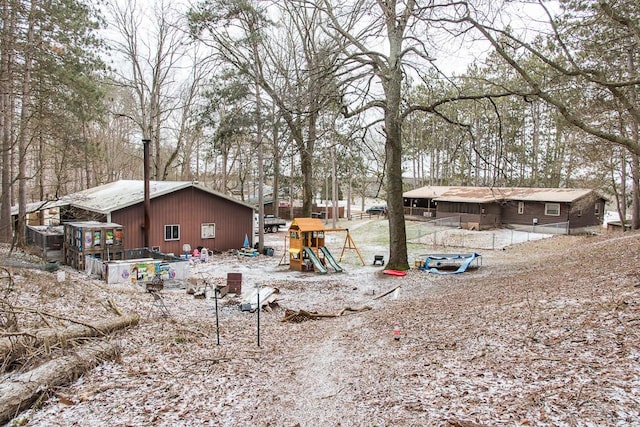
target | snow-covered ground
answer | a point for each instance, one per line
(543, 333)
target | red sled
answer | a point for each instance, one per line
(395, 272)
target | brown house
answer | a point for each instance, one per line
(489, 207)
(181, 213)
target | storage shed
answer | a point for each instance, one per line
(47, 241)
(182, 212)
(99, 240)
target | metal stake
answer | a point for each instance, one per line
(258, 297)
(217, 321)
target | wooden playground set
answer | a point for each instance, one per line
(307, 250)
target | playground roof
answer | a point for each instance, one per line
(307, 224)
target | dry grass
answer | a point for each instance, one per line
(544, 333)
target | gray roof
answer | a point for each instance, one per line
(491, 194)
(117, 195)
(38, 206)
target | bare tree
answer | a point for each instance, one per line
(153, 59)
(187, 132)
(309, 73)
(384, 43)
(293, 68)
(7, 45)
(361, 29)
(23, 131)
(587, 39)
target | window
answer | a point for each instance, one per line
(208, 231)
(458, 207)
(172, 232)
(520, 208)
(597, 209)
(552, 209)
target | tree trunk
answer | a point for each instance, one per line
(260, 162)
(277, 161)
(635, 160)
(622, 200)
(6, 115)
(635, 192)
(619, 195)
(393, 148)
(13, 347)
(18, 393)
(398, 258)
(24, 129)
(307, 174)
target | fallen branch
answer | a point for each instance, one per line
(355, 310)
(461, 423)
(18, 393)
(12, 347)
(387, 293)
(44, 315)
(302, 315)
(112, 306)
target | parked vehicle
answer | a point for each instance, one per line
(272, 223)
(377, 210)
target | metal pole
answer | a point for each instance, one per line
(147, 202)
(258, 296)
(217, 321)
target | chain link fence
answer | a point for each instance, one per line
(446, 232)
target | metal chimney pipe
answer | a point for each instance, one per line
(147, 201)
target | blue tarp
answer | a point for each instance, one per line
(432, 262)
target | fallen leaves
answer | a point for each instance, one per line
(533, 337)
